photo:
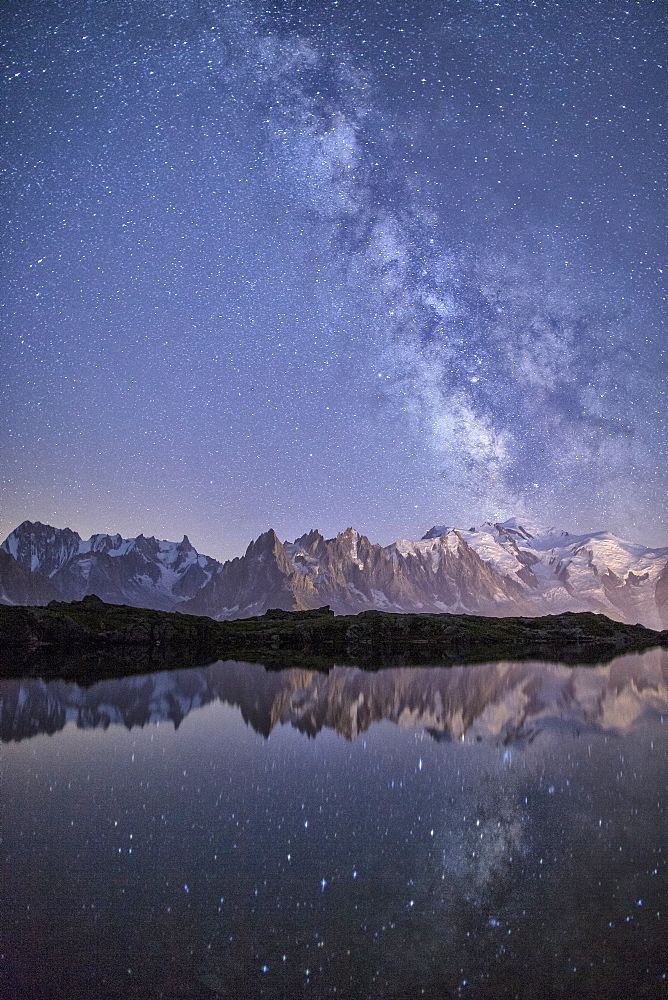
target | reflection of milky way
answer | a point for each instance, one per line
(483, 861)
(393, 265)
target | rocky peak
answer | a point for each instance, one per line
(265, 544)
(348, 544)
(105, 543)
(310, 541)
(92, 601)
(41, 547)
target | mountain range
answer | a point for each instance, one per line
(496, 569)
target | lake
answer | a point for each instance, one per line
(497, 830)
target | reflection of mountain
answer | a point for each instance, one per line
(503, 702)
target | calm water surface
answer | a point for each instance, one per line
(485, 831)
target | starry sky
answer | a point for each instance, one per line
(381, 264)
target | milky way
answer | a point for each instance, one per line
(295, 265)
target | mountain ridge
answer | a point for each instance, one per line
(497, 569)
(142, 571)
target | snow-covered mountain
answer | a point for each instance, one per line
(560, 571)
(142, 572)
(508, 568)
(496, 569)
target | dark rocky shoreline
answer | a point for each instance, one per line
(89, 639)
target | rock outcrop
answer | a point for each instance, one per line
(89, 638)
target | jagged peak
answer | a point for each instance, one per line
(102, 538)
(350, 535)
(491, 566)
(265, 542)
(308, 537)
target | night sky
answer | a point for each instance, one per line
(381, 264)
